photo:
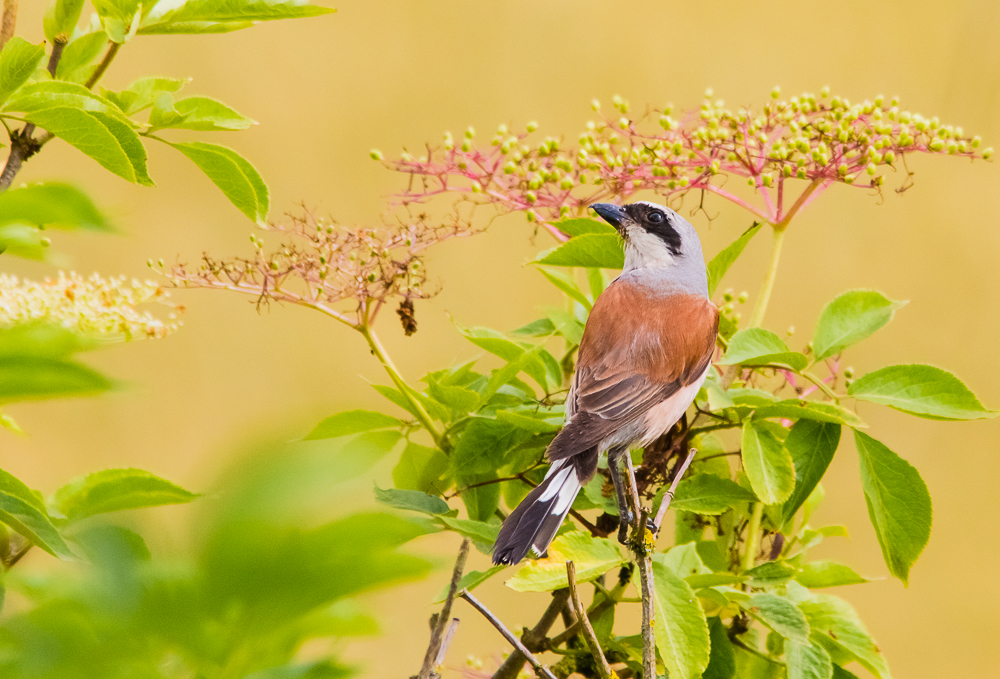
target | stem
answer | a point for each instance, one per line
(9, 21)
(603, 668)
(820, 385)
(57, 49)
(435, 647)
(669, 495)
(640, 544)
(539, 667)
(750, 555)
(418, 409)
(535, 638)
(760, 307)
(103, 66)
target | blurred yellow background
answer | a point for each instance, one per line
(389, 74)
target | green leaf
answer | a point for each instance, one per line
(60, 19)
(781, 615)
(412, 500)
(850, 318)
(479, 531)
(567, 285)
(117, 17)
(220, 16)
(113, 490)
(756, 346)
(771, 574)
(593, 557)
(812, 446)
(920, 390)
(78, 54)
(33, 523)
(31, 377)
(459, 399)
(767, 463)
(817, 574)
(681, 630)
(484, 444)
(87, 132)
(130, 143)
(543, 327)
(52, 205)
(808, 661)
(582, 226)
(481, 502)
(722, 659)
(840, 673)
(202, 113)
(55, 93)
(536, 425)
(709, 494)
(142, 93)
(420, 468)
(818, 411)
(589, 250)
(233, 174)
(720, 264)
(837, 628)
(899, 504)
(469, 581)
(18, 61)
(567, 324)
(13, 486)
(352, 422)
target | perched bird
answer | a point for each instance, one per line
(645, 352)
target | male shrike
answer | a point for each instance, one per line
(645, 352)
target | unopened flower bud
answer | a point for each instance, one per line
(375, 154)
(595, 104)
(776, 92)
(742, 299)
(849, 372)
(532, 126)
(727, 296)
(987, 154)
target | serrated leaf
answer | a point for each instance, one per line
(767, 463)
(479, 531)
(709, 494)
(419, 468)
(808, 661)
(352, 422)
(203, 113)
(18, 61)
(921, 390)
(781, 615)
(412, 500)
(567, 285)
(130, 144)
(770, 574)
(599, 250)
(56, 93)
(593, 557)
(720, 264)
(543, 327)
(535, 425)
(680, 630)
(801, 409)
(60, 19)
(52, 205)
(583, 225)
(142, 93)
(817, 574)
(483, 445)
(113, 490)
(756, 346)
(87, 132)
(221, 16)
(33, 523)
(459, 399)
(234, 176)
(838, 629)
(80, 53)
(117, 17)
(850, 318)
(812, 446)
(32, 377)
(13, 486)
(899, 504)
(722, 659)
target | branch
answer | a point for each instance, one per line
(436, 648)
(109, 56)
(669, 495)
(603, 668)
(9, 21)
(539, 667)
(640, 544)
(535, 638)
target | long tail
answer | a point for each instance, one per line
(537, 518)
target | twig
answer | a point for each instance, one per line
(534, 639)
(109, 56)
(9, 21)
(638, 545)
(446, 642)
(669, 495)
(506, 633)
(603, 668)
(434, 649)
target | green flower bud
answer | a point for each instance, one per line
(727, 296)
(595, 104)
(477, 187)
(509, 168)
(470, 133)
(849, 372)
(987, 154)
(976, 141)
(825, 92)
(159, 262)
(531, 216)
(801, 173)
(870, 169)
(623, 123)
(744, 296)
(936, 145)
(531, 196)
(791, 330)
(952, 148)
(375, 154)
(532, 126)
(566, 184)
(776, 92)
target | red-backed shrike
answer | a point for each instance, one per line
(645, 352)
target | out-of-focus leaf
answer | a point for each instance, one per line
(469, 581)
(837, 628)
(850, 318)
(112, 490)
(722, 660)
(817, 574)
(221, 16)
(18, 61)
(709, 494)
(53, 205)
(921, 390)
(480, 531)
(602, 250)
(756, 346)
(812, 446)
(60, 19)
(801, 409)
(899, 504)
(767, 463)
(412, 500)
(352, 422)
(24, 377)
(419, 468)
(681, 630)
(720, 264)
(808, 661)
(593, 557)
(234, 176)
(781, 615)
(33, 523)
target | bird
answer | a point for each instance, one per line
(646, 350)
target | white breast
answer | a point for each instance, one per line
(662, 417)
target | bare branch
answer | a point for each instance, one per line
(506, 633)
(603, 668)
(534, 639)
(436, 648)
(669, 495)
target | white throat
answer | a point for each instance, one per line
(643, 250)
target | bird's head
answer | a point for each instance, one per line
(655, 236)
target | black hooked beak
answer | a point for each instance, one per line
(612, 214)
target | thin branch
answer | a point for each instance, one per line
(435, 647)
(639, 544)
(603, 668)
(534, 639)
(9, 21)
(506, 633)
(446, 642)
(669, 495)
(109, 56)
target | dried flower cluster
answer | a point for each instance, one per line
(97, 306)
(347, 273)
(823, 140)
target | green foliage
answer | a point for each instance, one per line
(598, 250)
(593, 558)
(112, 490)
(756, 346)
(681, 629)
(720, 264)
(920, 390)
(767, 462)
(851, 318)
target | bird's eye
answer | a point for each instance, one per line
(655, 217)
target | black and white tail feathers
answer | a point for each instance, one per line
(535, 521)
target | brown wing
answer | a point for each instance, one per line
(637, 350)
